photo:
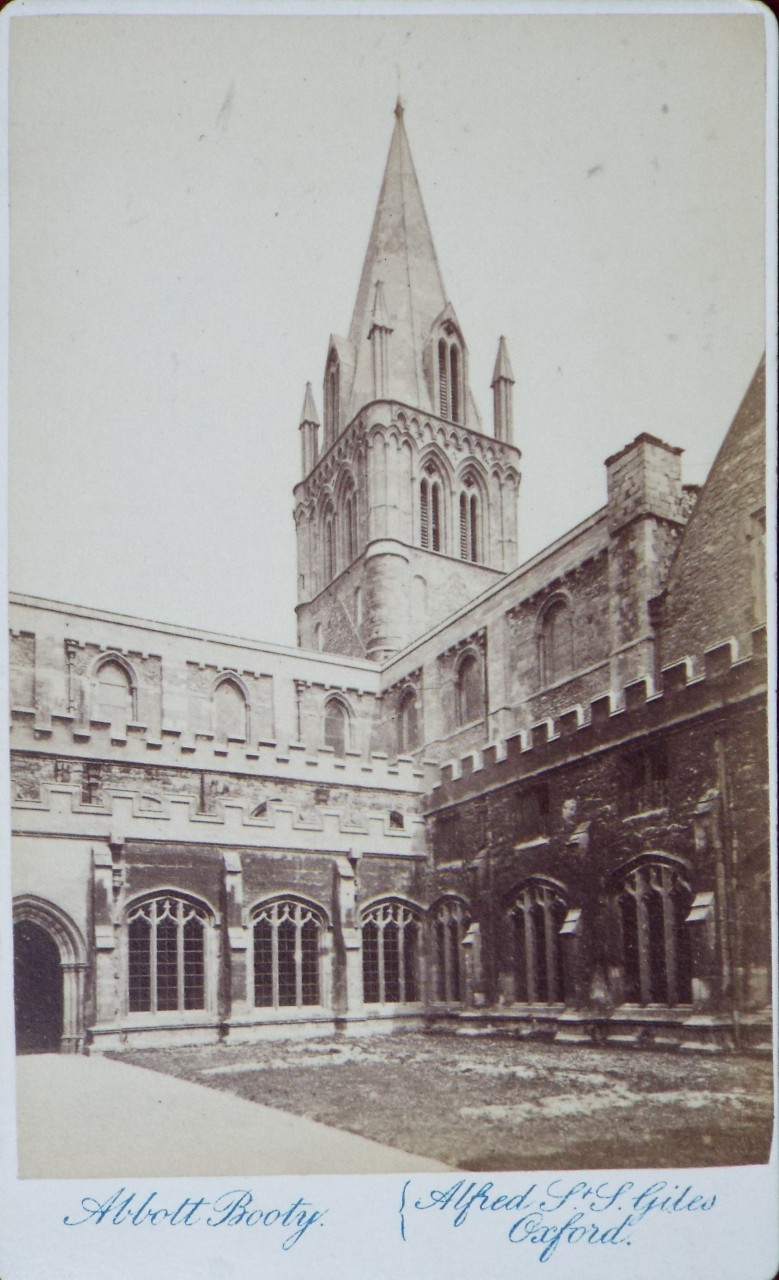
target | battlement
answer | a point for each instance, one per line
(130, 815)
(61, 735)
(687, 687)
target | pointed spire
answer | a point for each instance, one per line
(309, 432)
(401, 254)
(308, 413)
(502, 395)
(502, 364)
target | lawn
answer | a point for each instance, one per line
(497, 1104)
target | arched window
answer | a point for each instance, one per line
(469, 522)
(450, 381)
(537, 916)
(431, 510)
(450, 922)
(319, 637)
(555, 643)
(408, 722)
(454, 386)
(337, 726)
(391, 934)
(287, 955)
(443, 378)
(469, 690)
(229, 712)
(654, 900)
(166, 951)
(114, 692)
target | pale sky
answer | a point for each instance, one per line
(191, 200)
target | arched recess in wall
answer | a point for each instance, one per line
(449, 920)
(332, 398)
(170, 951)
(652, 896)
(50, 963)
(408, 720)
(327, 551)
(114, 691)
(231, 710)
(555, 640)
(391, 952)
(338, 725)
(290, 943)
(469, 688)
(346, 504)
(537, 912)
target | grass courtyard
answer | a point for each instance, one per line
(497, 1104)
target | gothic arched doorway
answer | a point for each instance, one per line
(37, 989)
(49, 969)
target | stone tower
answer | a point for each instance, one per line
(407, 509)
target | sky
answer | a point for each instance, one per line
(191, 199)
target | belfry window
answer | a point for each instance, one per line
(431, 510)
(287, 948)
(469, 690)
(450, 381)
(391, 933)
(469, 522)
(537, 917)
(166, 948)
(450, 921)
(653, 901)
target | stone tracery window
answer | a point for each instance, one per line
(449, 922)
(654, 901)
(391, 935)
(537, 916)
(166, 951)
(287, 938)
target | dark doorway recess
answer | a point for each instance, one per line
(37, 989)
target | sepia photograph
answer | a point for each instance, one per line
(390, 645)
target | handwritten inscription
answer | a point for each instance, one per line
(561, 1212)
(237, 1208)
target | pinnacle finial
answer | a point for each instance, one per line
(308, 412)
(399, 108)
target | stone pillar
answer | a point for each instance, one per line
(106, 887)
(236, 995)
(347, 977)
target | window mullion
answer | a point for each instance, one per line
(274, 952)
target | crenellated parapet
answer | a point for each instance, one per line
(691, 687)
(62, 736)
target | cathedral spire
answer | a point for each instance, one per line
(401, 254)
